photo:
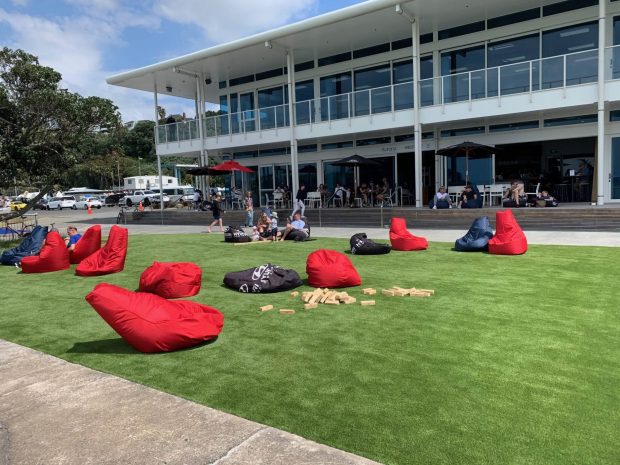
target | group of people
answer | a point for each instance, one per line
(514, 196)
(5, 202)
(266, 228)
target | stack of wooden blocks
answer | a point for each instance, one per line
(396, 291)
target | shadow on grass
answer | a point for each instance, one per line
(119, 346)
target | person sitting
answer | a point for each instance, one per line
(339, 195)
(263, 227)
(322, 190)
(468, 198)
(441, 199)
(363, 190)
(73, 237)
(543, 199)
(296, 225)
(383, 191)
(514, 193)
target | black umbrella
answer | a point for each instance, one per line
(468, 149)
(204, 171)
(356, 161)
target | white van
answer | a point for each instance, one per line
(58, 203)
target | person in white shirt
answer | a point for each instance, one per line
(442, 199)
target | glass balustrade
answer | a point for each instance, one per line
(530, 76)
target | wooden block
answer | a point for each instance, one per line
(366, 303)
(305, 296)
(369, 291)
(401, 293)
(430, 291)
(310, 306)
(265, 308)
(287, 311)
(420, 294)
(327, 296)
(316, 296)
(350, 300)
(294, 294)
(332, 302)
(389, 292)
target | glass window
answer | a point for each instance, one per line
(582, 119)
(221, 121)
(266, 179)
(462, 131)
(475, 170)
(248, 114)
(404, 137)
(235, 118)
(402, 76)
(567, 5)
(426, 81)
(282, 175)
(333, 59)
(456, 81)
(337, 145)
(335, 101)
(513, 126)
(307, 148)
(334, 174)
(273, 112)
(461, 30)
(373, 94)
(374, 50)
(512, 18)
(304, 94)
(375, 141)
(615, 168)
(580, 41)
(616, 50)
(307, 176)
(304, 66)
(510, 55)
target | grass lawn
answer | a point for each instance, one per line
(515, 360)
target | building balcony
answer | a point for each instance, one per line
(545, 84)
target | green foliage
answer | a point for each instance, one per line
(513, 361)
(43, 126)
(140, 141)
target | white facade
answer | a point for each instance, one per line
(536, 77)
(148, 182)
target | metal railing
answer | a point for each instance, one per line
(524, 77)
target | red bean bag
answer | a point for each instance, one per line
(150, 323)
(108, 259)
(402, 239)
(509, 238)
(54, 256)
(171, 280)
(328, 268)
(88, 244)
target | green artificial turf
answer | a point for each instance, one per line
(515, 360)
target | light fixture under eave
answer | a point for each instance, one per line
(169, 88)
(268, 44)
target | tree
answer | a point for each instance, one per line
(41, 124)
(140, 141)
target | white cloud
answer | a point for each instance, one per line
(226, 20)
(19, 2)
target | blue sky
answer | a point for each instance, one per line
(88, 40)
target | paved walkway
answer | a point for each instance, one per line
(55, 412)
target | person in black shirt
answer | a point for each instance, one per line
(300, 200)
(216, 208)
(468, 198)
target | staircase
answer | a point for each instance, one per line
(575, 218)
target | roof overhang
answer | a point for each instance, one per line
(362, 25)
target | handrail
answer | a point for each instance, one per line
(493, 82)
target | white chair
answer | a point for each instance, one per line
(483, 192)
(269, 202)
(496, 191)
(278, 200)
(454, 191)
(313, 200)
(389, 199)
(535, 194)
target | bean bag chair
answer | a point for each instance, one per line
(236, 235)
(403, 240)
(108, 259)
(171, 280)
(361, 245)
(88, 244)
(509, 238)
(263, 279)
(328, 268)
(54, 256)
(29, 246)
(150, 323)
(477, 238)
(299, 234)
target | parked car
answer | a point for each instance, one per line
(58, 203)
(155, 200)
(17, 205)
(136, 197)
(40, 205)
(94, 202)
(112, 200)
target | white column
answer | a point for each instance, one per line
(601, 180)
(201, 106)
(290, 65)
(161, 181)
(417, 125)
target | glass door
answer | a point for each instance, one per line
(250, 183)
(248, 116)
(615, 168)
(266, 183)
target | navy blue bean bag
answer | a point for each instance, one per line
(477, 238)
(31, 245)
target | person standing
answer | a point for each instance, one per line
(216, 208)
(300, 201)
(249, 209)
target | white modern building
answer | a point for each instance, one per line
(395, 81)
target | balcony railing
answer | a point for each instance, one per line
(525, 77)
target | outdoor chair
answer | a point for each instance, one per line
(314, 200)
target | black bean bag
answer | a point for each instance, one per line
(31, 245)
(299, 234)
(477, 238)
(263, 279)
(236, 235)
(361, 245)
